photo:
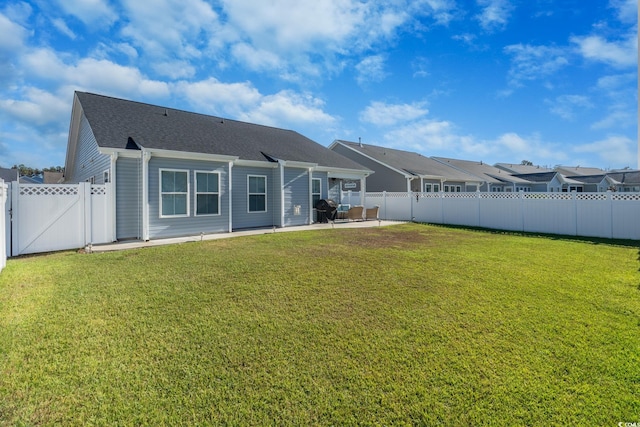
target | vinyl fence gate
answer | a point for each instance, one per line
(54, 217)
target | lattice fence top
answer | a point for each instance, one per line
(99, 190)
(626, 196)
(592, 196)
(548, 196)
(48, 190)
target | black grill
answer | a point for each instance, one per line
(326, 210)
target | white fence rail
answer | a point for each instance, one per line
(58, 217)
(608, 215)
(3, 229)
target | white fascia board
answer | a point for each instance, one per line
(256, 163)
(121, 152)
(403, 173)
(343, 173)
(295, 164)
(192, 156)
(437, 177)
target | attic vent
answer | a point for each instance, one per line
(166, 112)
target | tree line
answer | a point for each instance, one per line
(29, 171)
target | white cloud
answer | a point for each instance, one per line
(620, 54)
(242, 101)
(297, 25)
(13, 35)
(90, 12)
(214, 97)
(613, 150)
(495, 14)
(565, 106)
(170, 28)
(289, 108)
(61, 26)
(382, 114)
(255, 59)
(371, 69)
(627, 10)
(36, 106)
(534, 62)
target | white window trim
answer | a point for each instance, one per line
(319, 194)
(196, 192)
(160, 193)
(249, 194)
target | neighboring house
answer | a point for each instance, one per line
(578, 170)
(492, 178)
(8, 175)
(548, 182)
(521, 169)
(400, 171)
(622, 181)
(178, 173)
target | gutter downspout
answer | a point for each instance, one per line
(281, 168)
(112, 177)
(146, 156)
(310, 217)
(229, 189)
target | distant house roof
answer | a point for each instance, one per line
(485, 172)
(521, 169)
(545, 177)
(8, 175)
(35, 179)
(409, 162)
(627, 177)
(578, 170)
(116, 123)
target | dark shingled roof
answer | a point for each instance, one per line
(536, 177)
(114, 121)
(407, 161)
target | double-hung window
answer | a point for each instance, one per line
(257, 190)
(174, 193)
(316, 191)
(207, 193)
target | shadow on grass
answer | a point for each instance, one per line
(593, 240)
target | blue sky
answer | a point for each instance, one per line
(552, 82)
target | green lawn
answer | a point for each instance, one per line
(403, 325)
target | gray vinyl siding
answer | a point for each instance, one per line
(296, 193)
(384, 179)
(88, 162)
(128, 209)
(191, 224)
(242, 218)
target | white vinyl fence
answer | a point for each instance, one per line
(3, 229)
(58, 217)
(608, 215)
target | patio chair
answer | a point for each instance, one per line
(355, 213)
(371, 213)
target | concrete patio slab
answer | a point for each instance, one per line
(118, 246)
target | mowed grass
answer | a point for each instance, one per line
(403, 325)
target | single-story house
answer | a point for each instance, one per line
(401, 171)
(579, 170)
(492, 178)
(548, 182)
(519, 168)
(622, 181)
(177, 173)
